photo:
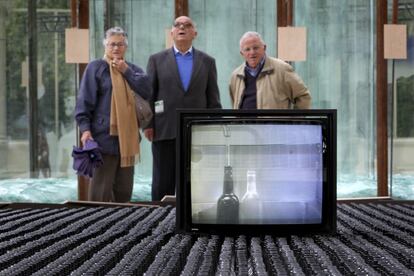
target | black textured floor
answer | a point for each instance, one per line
(371, 239)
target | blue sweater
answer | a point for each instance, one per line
(185, 67)
(93, 105)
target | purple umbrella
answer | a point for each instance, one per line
(86, 159)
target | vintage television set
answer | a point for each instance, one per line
(256, 172)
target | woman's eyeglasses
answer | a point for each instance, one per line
(113, 45)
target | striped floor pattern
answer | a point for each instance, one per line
(372, 239)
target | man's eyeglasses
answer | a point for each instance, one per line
(254, 49)
(186, 25)
(113, 45)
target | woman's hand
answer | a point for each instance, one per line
(86, 135)
(119, 64)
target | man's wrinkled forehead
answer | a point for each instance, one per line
(183, 19)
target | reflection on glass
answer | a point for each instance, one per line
(239, 17)
(352, 78)
(55, 86)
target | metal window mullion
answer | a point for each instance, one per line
(33, 109)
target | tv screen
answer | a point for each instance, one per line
(256, 171)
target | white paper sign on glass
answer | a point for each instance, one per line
(291, 43)
(77, 45)
(395, 41)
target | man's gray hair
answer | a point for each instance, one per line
(115, 31)
(251, 34)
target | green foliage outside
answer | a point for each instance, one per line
(53, 16)
(405, 106)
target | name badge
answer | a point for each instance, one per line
(159, 106)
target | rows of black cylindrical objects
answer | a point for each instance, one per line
(97, 252)
(209, 263)
(383, 225)
(21, 220)
(279, 258)
(404, 215)
(344, 258)
(226, 261)
(406, 209)
(371, 239)
(49, 247)
(313, 259)
(241, 256)
(48, 225)
(370, 224)
(109, 247)
(36, 254)
(403, 253)
(113, 253)
(171, 259)
(140, 256)
(19, 215)
(163, 256)
(177, 259)
(256, 258)
(400, 222)
(167, 224)
(138, 259)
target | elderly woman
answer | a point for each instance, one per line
(105, 113)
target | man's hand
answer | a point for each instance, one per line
(86, 135)
(149, 134)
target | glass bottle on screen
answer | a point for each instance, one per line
(251, 205)
(228, 202)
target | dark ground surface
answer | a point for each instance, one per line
(373, 238)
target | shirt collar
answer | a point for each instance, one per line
(255, 71)
(189, 51)
(257, 67)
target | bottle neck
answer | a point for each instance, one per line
(251, 181)
(228, 180)
(251, 187)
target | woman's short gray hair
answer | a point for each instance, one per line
(115, 31)
(251, 34)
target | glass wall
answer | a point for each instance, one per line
(14, 139)
(220, 24)
(339, 72)
(54, 180)
(401, 97)
(147, 23)
(340, 69)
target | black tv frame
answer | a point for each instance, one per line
(183, 171)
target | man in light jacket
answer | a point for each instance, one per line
(264, 82)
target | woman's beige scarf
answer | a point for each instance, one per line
(123, 121)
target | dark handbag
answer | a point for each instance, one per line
(143, 111)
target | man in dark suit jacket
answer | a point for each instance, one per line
(182, 77)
